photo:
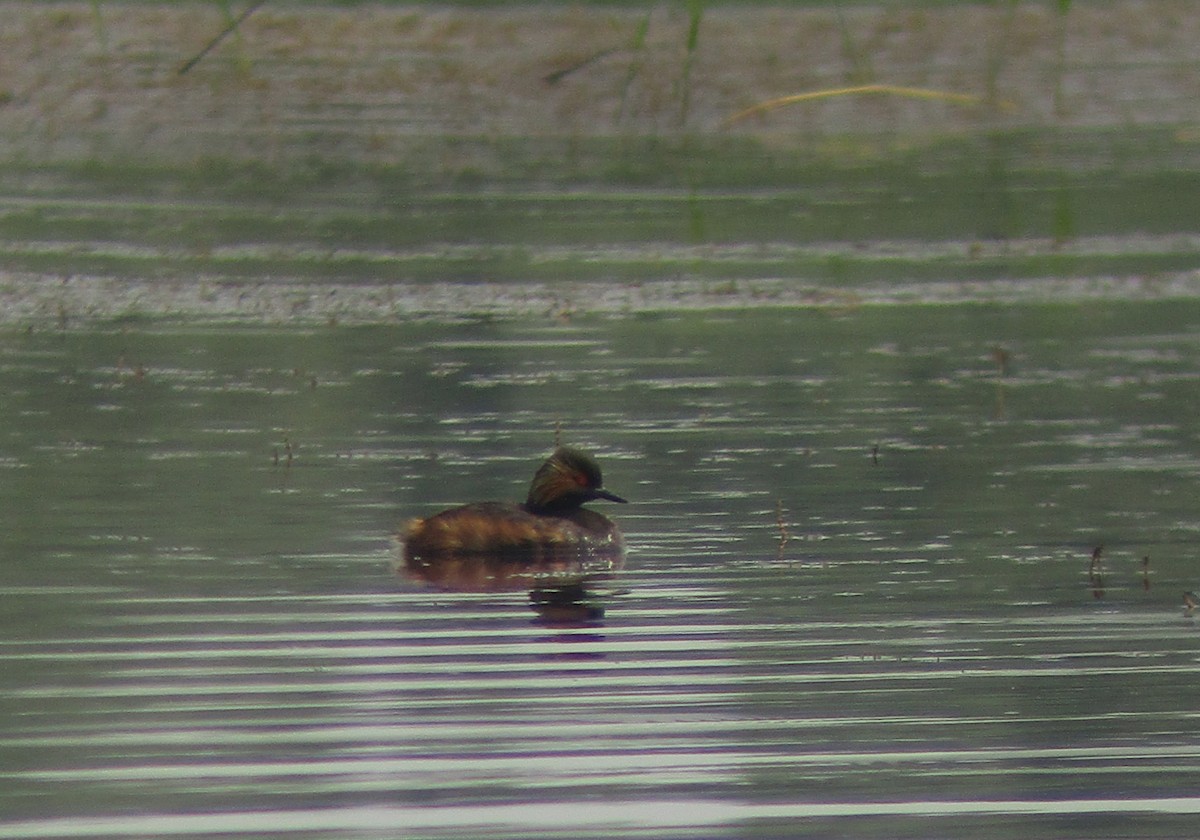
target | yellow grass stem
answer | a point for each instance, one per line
(891, 90)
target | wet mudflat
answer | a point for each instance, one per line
(859, 595)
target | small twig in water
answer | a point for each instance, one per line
(1096, 573)
(784, 536)
(1000, 357)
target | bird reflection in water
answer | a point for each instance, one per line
(550, 545)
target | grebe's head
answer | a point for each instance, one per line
(569, 478)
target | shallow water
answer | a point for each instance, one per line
(601, 226)
(859, 597)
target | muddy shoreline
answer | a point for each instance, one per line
(443, 91)
(360, 82)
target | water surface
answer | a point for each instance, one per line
(859, 597)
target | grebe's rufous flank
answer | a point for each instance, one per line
(551, 522)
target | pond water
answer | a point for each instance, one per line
(860, 597)
(900, 384)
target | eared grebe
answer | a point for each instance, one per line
(550, 524)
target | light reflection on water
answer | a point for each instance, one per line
(203, 637)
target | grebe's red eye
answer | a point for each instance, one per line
(581, 479)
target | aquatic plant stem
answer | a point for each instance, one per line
(635, 63)
(695, 10)
(98, 20)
